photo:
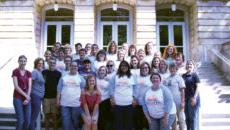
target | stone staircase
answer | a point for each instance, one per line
(7, 119)
(215, 98)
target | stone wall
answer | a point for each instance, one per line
(145, 22)
(84, 22)
(17, 29)
(213, 19)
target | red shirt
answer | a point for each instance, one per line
(23, 81)
(90, 100)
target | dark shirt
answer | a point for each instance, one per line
(191, 81)
(51, 82)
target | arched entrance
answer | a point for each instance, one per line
(114, 26)
(58, 26)
(172, 29)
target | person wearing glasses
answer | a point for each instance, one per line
(104, 121)
(122, 97)
(68, 98)
(143, 83)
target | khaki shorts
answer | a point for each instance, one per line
(49, 106)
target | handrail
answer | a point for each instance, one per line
(222, 62)
(8, 61)
(221, 56)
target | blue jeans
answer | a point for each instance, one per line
(35, 110)
(71, 117)
(23, 114)
(123, 117)
(192, 114)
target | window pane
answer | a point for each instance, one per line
(51, 35)
(162, 50)
(169, 15)
(107, 34)
(110, 15)
(122, 34)
(178, 35)
(60, 15)
(65, 34)
(164, 37)
(179, 49)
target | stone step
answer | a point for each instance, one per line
(8, 119)
(215, 128)
(7, 115)
(216, 115)
(7, 127)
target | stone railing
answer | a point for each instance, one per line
(222, 62)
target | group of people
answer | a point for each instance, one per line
(122, 88)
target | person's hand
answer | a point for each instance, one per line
(57, 103)
(25, 102)
(88, 120)
(182, 105)
(28, 97)
(134, 103)
(165, 121)
(193, 101)
(112, 101)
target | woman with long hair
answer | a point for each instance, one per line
(122, 97)
(22, 88)
(112, 50)
(170, 53)
(90, 99)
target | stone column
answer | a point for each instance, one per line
(145, 22)
(84, 22)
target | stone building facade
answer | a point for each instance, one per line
(30, 26)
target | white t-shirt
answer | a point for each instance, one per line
(123, 92)
(154, 101)
(98, 64)
(181, 70)
(148, 59)
(103, 87)
(175, 84)
(60, 65)
(135, 72)
(142, 85)
(71, 91)
(75, 56)
(111, 57)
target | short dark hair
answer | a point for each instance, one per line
(86, 61)
(78, 44)
(22, 56)
(154, 73)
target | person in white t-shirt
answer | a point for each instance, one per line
(176, 85)
(143, 83)
(122, 97)
(157, 104)
(135, 66)
(104, 106)
(112, 50)
(68, 97)
(179, 60)
(163, 70)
